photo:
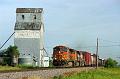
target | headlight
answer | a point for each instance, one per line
(59, 51)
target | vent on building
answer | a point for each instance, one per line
(34, 16)
(23, 16)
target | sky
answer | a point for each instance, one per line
(74, 23)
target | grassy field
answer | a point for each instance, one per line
(110, 73)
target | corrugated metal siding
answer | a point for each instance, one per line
(28, 46)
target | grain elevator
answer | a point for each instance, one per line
(29, 36)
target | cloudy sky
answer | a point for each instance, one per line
(74, 23)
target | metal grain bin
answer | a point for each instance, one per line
(26, 60)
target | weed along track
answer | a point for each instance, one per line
(43, 73)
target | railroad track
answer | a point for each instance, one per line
(43, 73)
(36, 69)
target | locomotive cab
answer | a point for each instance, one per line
(60, 55)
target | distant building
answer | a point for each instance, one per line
(29, 35)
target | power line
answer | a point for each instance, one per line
(109, 46)
(7, 40)
(109, 41)
(98, 46)
(76, 47)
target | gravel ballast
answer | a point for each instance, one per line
(41, 74)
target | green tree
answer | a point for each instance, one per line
(13, 53)
(110, 63)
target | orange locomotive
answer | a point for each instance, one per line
(60, 55)
(64, 56)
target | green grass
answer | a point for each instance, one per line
(110, 73)
(5, 68)
(19, 67)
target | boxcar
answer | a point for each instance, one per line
(100, 62)
(87, 58)
(93, 60)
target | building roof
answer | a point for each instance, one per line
(29, 10)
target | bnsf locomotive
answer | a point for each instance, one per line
(65, 56)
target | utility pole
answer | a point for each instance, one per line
(97, 55)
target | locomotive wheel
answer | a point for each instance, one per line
(70, 64)
(77, 64)
(55, 63)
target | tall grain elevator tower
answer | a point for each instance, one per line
(29, 34)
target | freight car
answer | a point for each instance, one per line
(87, 58)
(101, 62)
(93, 60)
(80, 58)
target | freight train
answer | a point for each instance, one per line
(65, 56)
